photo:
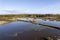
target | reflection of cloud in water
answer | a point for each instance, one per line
(24, 30)
(13, 35)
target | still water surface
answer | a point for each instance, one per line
(40, 21)
(28, 31)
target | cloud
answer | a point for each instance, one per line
(8, 12)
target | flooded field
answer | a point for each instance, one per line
(28, 31)
(48, 22)
(41, 21)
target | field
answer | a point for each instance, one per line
(41, 16)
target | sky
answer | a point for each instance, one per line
(30, 6)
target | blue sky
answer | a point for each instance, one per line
(29, 6)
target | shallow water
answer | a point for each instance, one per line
(40, 21)
(18, 27)
(14, 28)
(48, 22)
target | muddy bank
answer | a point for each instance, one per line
(3, 22)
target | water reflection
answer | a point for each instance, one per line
(48, 22)
(27, 31)
(41, 21)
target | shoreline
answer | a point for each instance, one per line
(3, 22)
